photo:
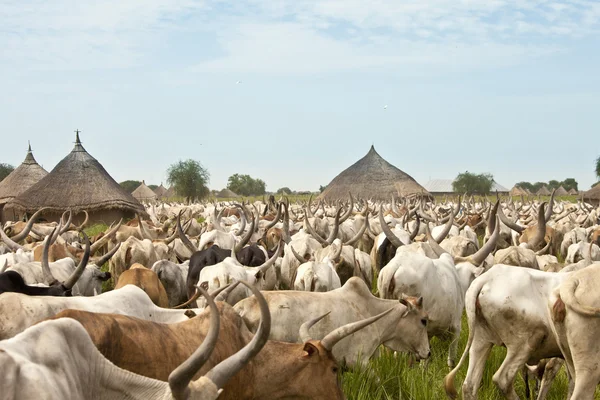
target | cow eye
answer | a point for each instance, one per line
(335, 370)
(424, 322)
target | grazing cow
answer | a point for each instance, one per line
(403, 329)
(280, 371)
(507, 306)
(317, 276)
(173, 276)
(58, 360)
(148, 281)
(575, 309)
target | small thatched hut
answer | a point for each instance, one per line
(593, 195)
(79, 183)
(573, 192)
(561, 191)
(372, 177)
(226, 194)
(543, 191)
(22, 178)
(160, 191)
(518, 191)
(144, 193)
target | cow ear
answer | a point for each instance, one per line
(311, 351)
(259, 275)
(420, 302)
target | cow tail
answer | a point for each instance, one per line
(567, 294)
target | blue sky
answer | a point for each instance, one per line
(509, 87)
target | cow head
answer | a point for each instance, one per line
(409, 333)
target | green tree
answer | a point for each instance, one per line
(153, 187)
(473, 183)
(189, 178)
(245, 185)
(525, 185)
(321, 188)
(553, 184)
(284, 190)
(130, 185)
(569, 184)
(5, 170)
(598, 167)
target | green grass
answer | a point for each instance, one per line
(390, 377)
(95, 229)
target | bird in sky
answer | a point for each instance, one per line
(385, 107)
(238, 82)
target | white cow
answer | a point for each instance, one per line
(403, 329)
(582, 250)
(315, 276)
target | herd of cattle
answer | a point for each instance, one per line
(266, 300)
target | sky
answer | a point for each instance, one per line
(295, 91)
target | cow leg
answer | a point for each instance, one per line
(587, 377)
(504, 378)
(552, 368)
(455, 334)
(478, 354)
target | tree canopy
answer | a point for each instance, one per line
(471, 183)
(189, 178)
(245, 185)
(567, 184)
(321, 188)
(5, 170)
(598, 167)
(284, 190)
(130, 185)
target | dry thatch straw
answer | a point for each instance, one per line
(544, 191)
(160, 191)
(144, 193)
(22, 178)
(78, 182)
(561, 191)
(517, 191)
(593, 195)
(226, 194)
(372, 177)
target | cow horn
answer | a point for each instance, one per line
(446, 230)
(305, 327)
(387, 231)
(359, 234)
(549, 210)
(509, 223)
(143, 231)
(14, 246)
(183, 374)
(415, 231)
(437, 249)
(243, 223)
(350, 209)
(336, 226)
(239, 246)
(338, 334)
(67, 224)
(300, 259)
(100, 242)
(545, 249)
(100, 261)
(338, 252)
(85, 221)
(314, 234)
(479, 257)
(264, 267)
(308, 208)
(222, 293)
(286, 221)
(69, 283)
(221, 373)
(491, 223)
(25, 231)
(540, 232)
(47, 274)
(276, 219)
(184, 239)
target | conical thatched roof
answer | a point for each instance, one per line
(160, 191)
(372, 177)
(170, 193)
(518, 191)
(593, 194)
(22, 178)
(544, 191)
(144, 193)
(78, 182)
(561, 192)
(573, 192)
(226, 193)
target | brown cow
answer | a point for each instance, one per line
(148, 281)
(281, 370)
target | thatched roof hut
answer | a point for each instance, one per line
(144, 193)
(226, 193)
(573, 192)
(79, 183)
(372, 177)
(593, 195)
(544, 191)
(561, 191)
(518, 191)
(22, 178)
(160, 191)
(170, 193)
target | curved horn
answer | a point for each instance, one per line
(100, 242)
(46, 273)
(349, 212)
(182, 375)
(300, 259)
(479, 257)
(222, 293)
(100, 261)
(85, 221)
(221, 373)
(491, 223)
(415, 231)
(276, 220)
(69, 283)
(14, 246)
(286, 221)
(540, 232)
(305, 327)
(545, 249)
(184, 239)
(549, 210)
(359, 234)
(25, 231)
(446, 230)
(314, 233)
(243, 223)
(67, 224)
(264, 267)
(309, 207)
(336, 226)
(56, 233)
(195, 297)
(437, 249)
(143, 231)
(394, 240)
(509, 223)
(238, 247)
(334, 337)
